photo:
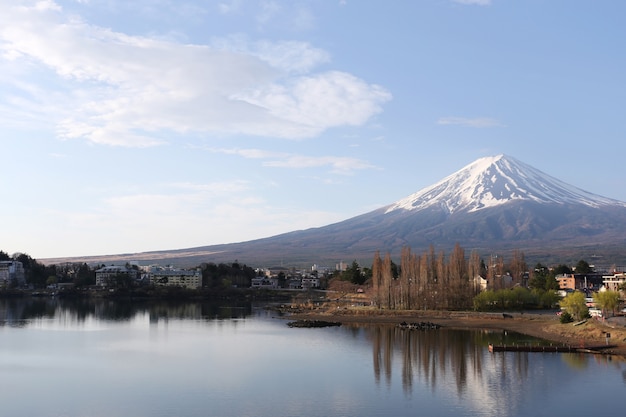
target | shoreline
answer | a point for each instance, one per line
(544, 326)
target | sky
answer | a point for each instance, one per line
(132, 126)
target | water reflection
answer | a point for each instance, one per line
(459, 362)
(426, 355)
(193, 359)
(19, 312)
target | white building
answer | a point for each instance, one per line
(12, 272)
(172, 277)
(613, 282)
(310, 282)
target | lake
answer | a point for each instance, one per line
(98, 358)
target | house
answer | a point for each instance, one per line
(264, 282)
(106, 275)
(498, 282)
(294, 284)
(310, 282)
(12, 273)
(480, 283)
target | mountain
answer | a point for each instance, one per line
(493, 205)
(495, 181)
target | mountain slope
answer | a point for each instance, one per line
(493, 205)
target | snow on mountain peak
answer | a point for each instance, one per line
(493, 181)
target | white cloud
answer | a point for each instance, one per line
(474, 2)
(248, 153)
(229, 7)
(315, 103)
(337, 164)
(124, 90)
(479, 122)
(269, 9)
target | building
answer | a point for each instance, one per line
(613, 282)
(12, 273)
(480, 283)
(567, 282)
(172, 277)
(106, 275)
(264, 282)
(310, 282)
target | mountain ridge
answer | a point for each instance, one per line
(495, 204)
(488, 181)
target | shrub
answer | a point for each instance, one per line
(566, 318)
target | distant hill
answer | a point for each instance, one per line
(493, 205)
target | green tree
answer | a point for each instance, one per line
(551, 283)
(606, 301)
(582, 267)
(538, 277)
(566, 318)
(574, 304)
(353, 274)
(485, 301)
(561, 269)
(548, 299)
(282, 279)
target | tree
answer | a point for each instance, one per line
(353, 274)
(606, 301)
(377, 277)
(562, 270)
(538, 277)
(575, 305)
(518, 266)
(582, 267)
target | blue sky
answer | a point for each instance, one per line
(131, 126)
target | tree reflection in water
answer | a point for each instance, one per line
(433, 355)
(425, 354)
(15, 312)
(448, 360)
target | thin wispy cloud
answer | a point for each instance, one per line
(123, 90)
(269, 9)
(478, 122)
(474, 2)
(336, 164)
(228, 7)
(248, 153)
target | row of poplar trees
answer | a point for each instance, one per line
(432, 281)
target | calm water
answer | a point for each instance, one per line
(114, 359)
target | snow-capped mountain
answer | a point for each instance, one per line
(493, 181)
(493, 205)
